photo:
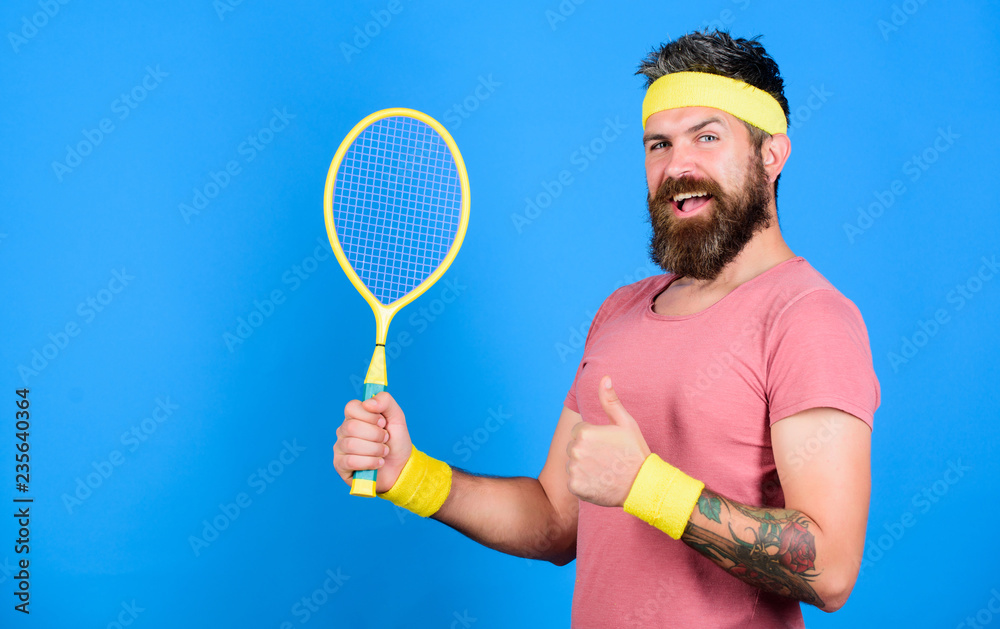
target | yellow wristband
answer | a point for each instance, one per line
(422, 486)
(663, 496)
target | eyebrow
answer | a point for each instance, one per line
(693, 129)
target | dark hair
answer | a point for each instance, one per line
(717, 52)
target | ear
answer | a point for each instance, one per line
(774, 153)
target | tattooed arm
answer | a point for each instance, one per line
(812, 549)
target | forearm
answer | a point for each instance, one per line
(512, 515)
(781, 551)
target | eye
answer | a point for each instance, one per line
(708, 137)
(658, 145)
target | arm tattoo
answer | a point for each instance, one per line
(771, 549)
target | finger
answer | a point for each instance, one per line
(386, 405)
(362, 430)
(355, 446)
(355, 409)
(356, 462)
(612, 405)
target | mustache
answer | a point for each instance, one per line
(671, 187)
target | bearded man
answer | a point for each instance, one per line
(738, 428)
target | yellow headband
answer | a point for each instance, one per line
(701, 89)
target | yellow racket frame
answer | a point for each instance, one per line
(385, 312)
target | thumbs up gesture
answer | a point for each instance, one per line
(603, 461)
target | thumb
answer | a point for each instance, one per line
(612, 405)
(400, 444)
(388, 407)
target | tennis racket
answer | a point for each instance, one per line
(396, 207)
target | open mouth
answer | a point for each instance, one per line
(688, 202)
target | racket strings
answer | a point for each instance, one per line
(397, 205)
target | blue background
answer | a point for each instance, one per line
(872, 85)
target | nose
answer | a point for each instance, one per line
(680, 162)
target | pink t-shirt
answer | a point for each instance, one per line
(705, 390)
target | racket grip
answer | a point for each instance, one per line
(363, 483)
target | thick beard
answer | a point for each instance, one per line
(701, 246)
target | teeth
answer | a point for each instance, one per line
(688, 195)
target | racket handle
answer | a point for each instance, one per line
(363, 483)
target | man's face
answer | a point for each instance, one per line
(712, 193)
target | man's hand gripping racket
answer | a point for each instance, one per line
(396, 207)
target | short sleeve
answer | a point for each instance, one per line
(818, 355)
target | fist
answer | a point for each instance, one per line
(603, 461)
(373, 437)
